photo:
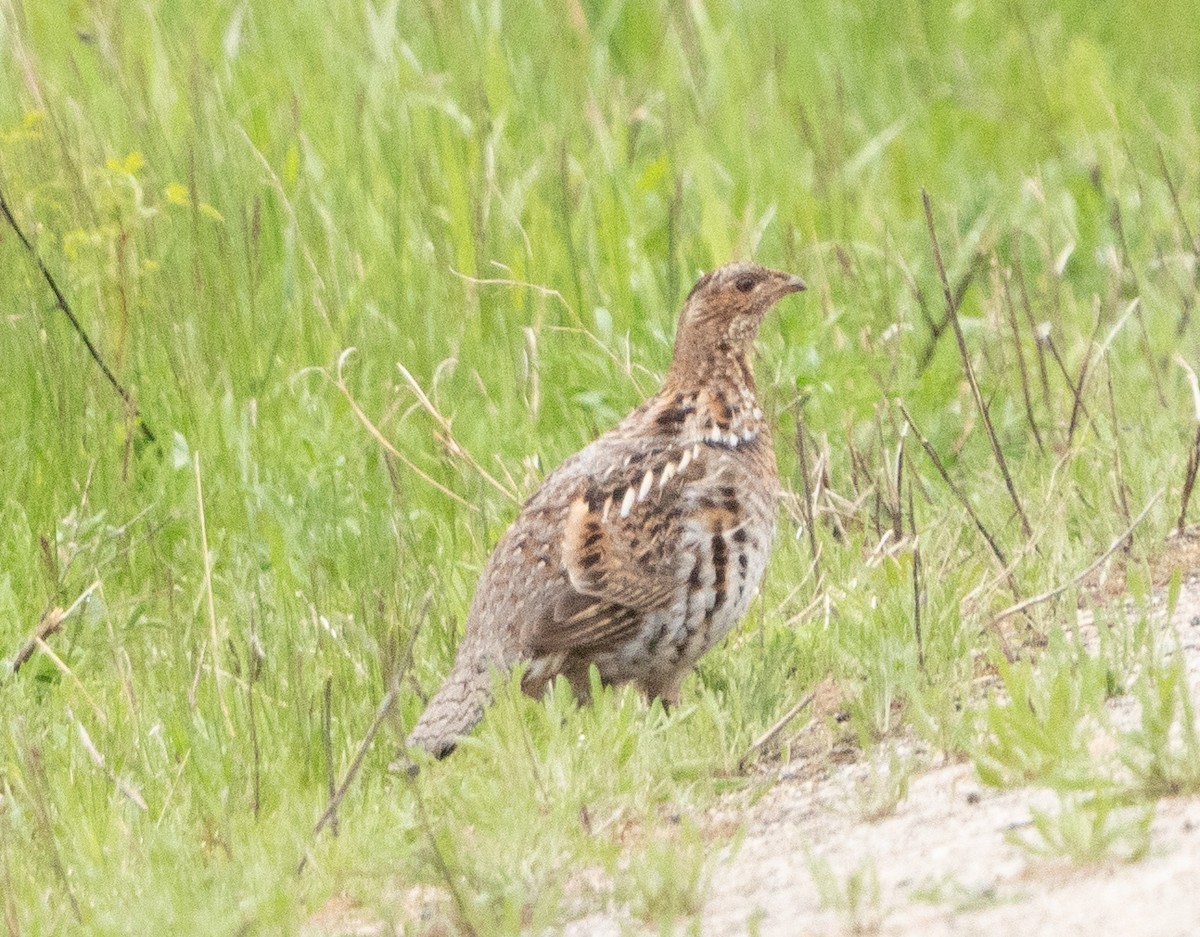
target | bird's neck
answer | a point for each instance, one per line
(711, 398)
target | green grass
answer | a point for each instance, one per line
(233, 194)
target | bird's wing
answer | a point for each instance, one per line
(621, 549)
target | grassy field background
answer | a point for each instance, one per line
(500, 207)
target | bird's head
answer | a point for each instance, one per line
(723, 311)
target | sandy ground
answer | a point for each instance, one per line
(941, 863)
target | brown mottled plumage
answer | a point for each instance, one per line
(641, 551)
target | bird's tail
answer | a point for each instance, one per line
(455, 709)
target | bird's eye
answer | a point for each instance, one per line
(745, 284)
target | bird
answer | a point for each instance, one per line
(640, 552)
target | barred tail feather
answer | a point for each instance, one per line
(454, 710)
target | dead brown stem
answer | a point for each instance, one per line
(1189, 482)
(1011, 315)
(1027, 308)
(1077, 402)
(898, 516)
(1187, 231)
(1076, 396)
(60, 300)
(381, 713)
(958, 492)
(938, 329)
(327, 744)
(809, 513)
(952, 309)
(51, 623)
(765, 739)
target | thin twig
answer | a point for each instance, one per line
(60, 300)
(1047, 340)
(439, 859)
(918, 598)
(381, 713)
(952, 308)
(1077, 403)
(1187, 231)
(765, 739)
(1034, 329)
(898, 518)
(1076, 580)
(1047, 516)
(937, 329)
(1189, 482)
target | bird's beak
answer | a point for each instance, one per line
(792, 284)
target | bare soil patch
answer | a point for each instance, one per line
(942, 863)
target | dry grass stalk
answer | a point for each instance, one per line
(1080, 577)
(449, 443)
(1193, 460)
(340, 383)
(214, 639)
(127, 789)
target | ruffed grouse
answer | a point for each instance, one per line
(643, 550)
